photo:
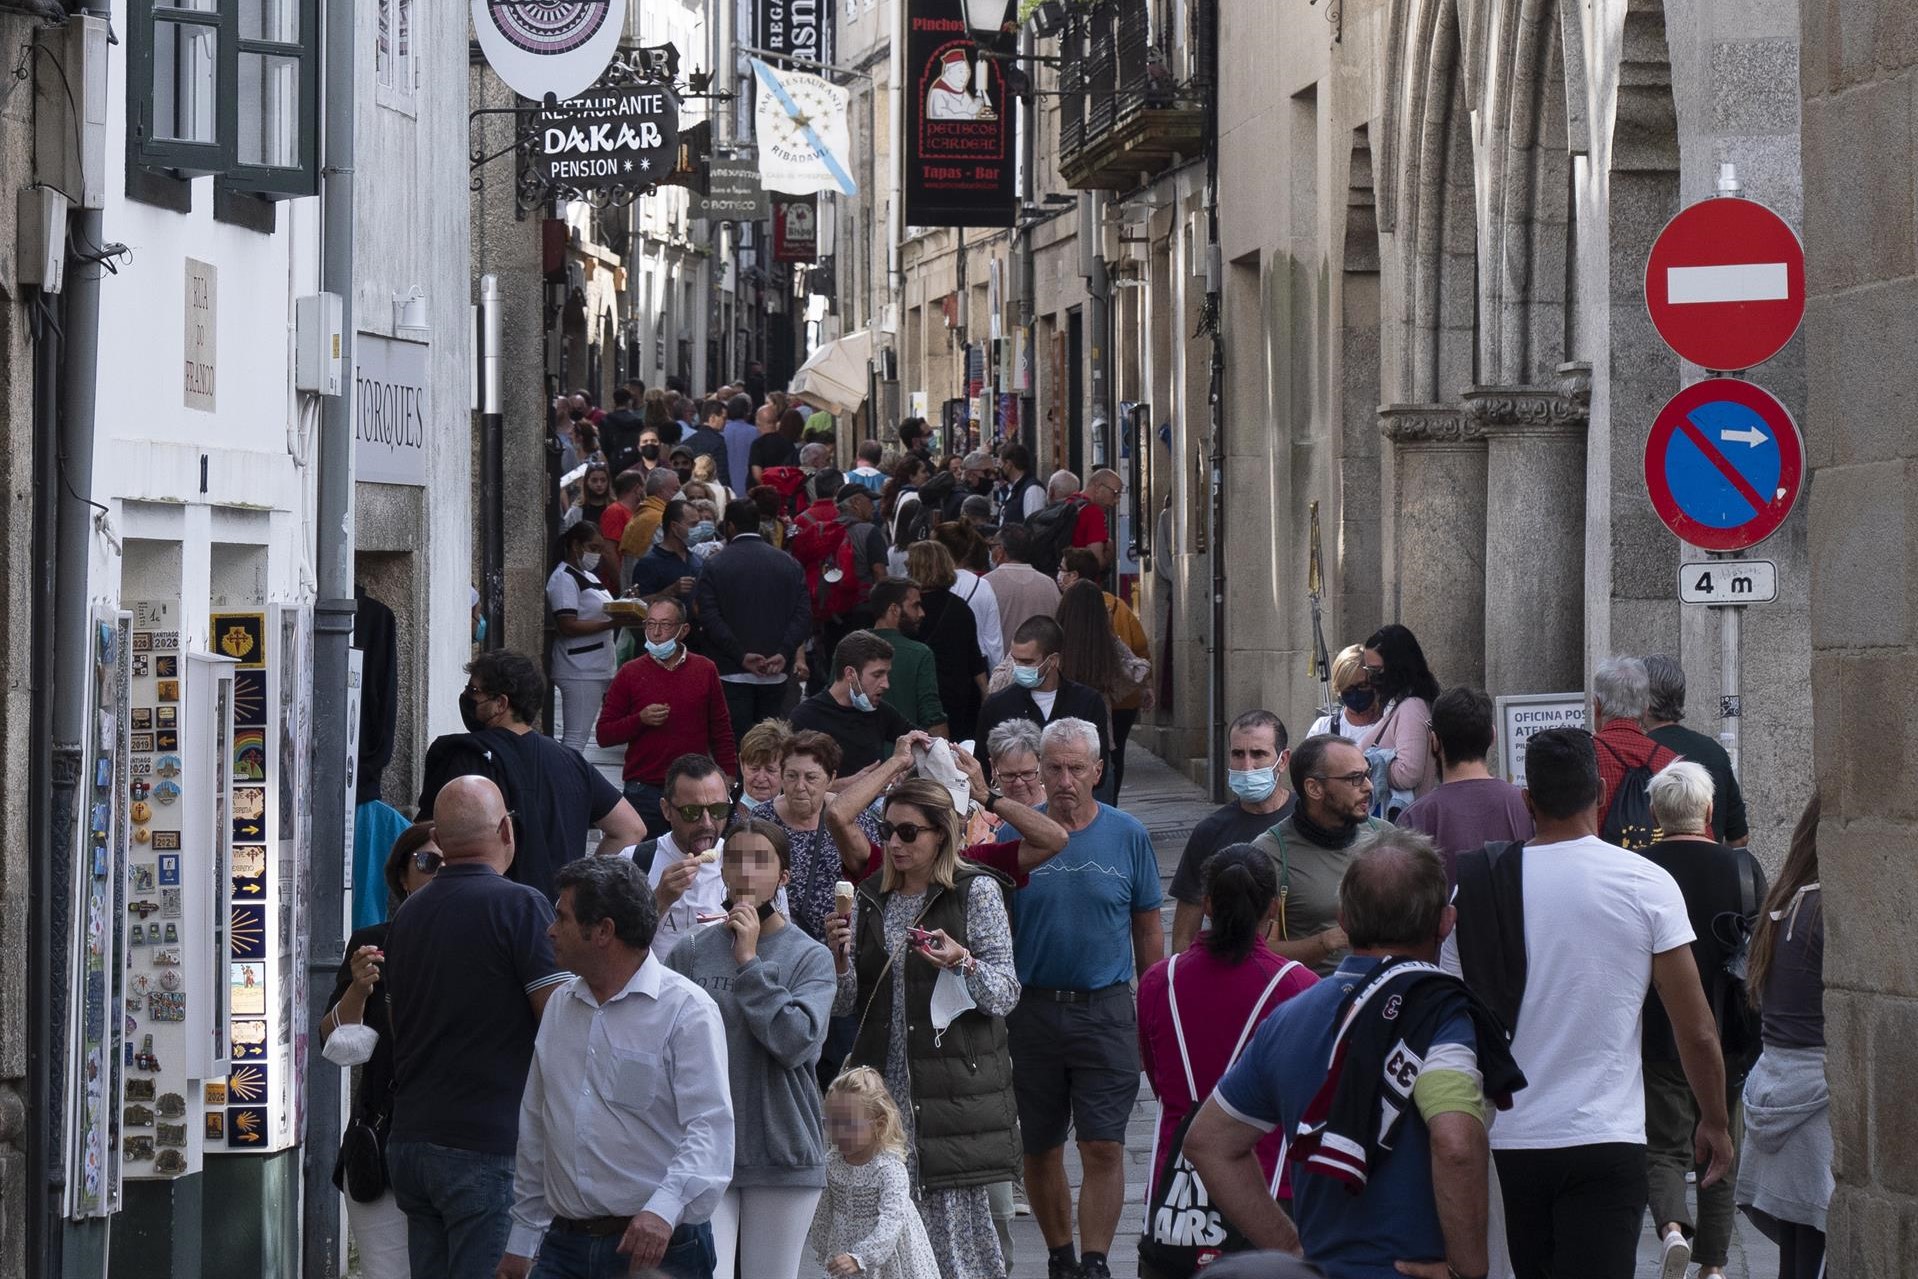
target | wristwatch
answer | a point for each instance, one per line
(991, 802)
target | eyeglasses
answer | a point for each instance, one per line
(1361, 778)
(1025, 778)
(691, 812)
(428, 862)
(908, 832)
(1372, 672)
(662, 628)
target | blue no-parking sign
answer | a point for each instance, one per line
(1724, 464)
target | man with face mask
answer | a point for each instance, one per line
(670, 568)
(665, 703)
(1039, 693)
(852, 710)
(554, 795)
(1256, 747)
(914, 689)
(1311, 848)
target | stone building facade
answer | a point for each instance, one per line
(1859, 71)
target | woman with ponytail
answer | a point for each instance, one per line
(1197, 1012)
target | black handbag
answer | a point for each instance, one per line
(360, 1170)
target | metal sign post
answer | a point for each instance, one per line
(1731, 708)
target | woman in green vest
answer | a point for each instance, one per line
(926, 962)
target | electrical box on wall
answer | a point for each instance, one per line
(318, 344)
(70, 110)
(41, 231)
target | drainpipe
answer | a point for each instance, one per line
(1028, 197)
(332, 841)
(1215, 398)
(492, 467)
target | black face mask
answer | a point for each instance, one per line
(469, 713)
(685, 476)
(650, 452)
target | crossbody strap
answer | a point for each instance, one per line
(1178, 1024)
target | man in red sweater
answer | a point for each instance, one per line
(665, 703)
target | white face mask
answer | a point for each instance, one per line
(950, 997)
(352, 1044)
(589, 561)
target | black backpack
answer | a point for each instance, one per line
(1629, 822)
(489, 754)
(1050, 530)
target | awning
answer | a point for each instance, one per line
(833, 377)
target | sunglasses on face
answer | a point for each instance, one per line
(691, 812)
(428, 862)
(908, 832)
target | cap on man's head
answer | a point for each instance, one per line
(848, 491)
(682, 450)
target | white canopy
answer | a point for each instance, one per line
(833, 377)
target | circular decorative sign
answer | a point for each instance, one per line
(541, 47)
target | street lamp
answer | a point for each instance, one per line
(1048, 18)
(986, 15)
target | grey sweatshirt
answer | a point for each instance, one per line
(775, 1009)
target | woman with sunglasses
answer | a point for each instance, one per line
(926, 961)
(1395, 668)
(357, 1031)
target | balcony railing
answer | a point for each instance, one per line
(1124, 116)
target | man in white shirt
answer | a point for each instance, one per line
(1601, 926)
(626, 1126)
(682, 866)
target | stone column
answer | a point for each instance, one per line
(1534, 531)
(1438, 543)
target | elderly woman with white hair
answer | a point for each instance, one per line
(1723, 887)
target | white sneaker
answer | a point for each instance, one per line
(1676, 1257)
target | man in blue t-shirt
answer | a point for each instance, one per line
(1086, 925)
(1423, 1198)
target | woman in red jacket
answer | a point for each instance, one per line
(1199, 1009)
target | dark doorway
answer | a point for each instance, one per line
(1075, 391)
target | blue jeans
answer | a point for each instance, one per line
(645, 797)
(456, 1204)
(689, 1255)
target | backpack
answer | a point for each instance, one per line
(1629, 822)
(482, 754)
(1051, 530)
(790, 482)
(1183, 1230)
(1738, 1022)
(822, 546)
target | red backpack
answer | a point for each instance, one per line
(817, 545)
(790, 481)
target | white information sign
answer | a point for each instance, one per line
(197, 369)
(1521, 715)
(391, 409)
(1721, 582)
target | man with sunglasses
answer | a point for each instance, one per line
(697, 803)
(665, 703)
(1329, 824)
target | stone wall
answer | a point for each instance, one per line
(1859, 82)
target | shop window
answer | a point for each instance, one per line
(229, 88)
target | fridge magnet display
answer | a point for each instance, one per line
(170, 1163)
(138, 1117)
(166, 792)
(141, 877)
(142, 715)
(247, 1084)
(140, 666)
(249, 754)
(139, 1090)
(249, 870)
(169, 1135)
(169, 866)
(166, 1005)
(215, 1124)
(137, 935)
(172, 933)
(165, 739)
(249, 698)
(167, 690)
(167, 766)
(163, 839)
(240, 636)
(246, 931)
(166, 641)
(167, 666)
(170, 1106)
(249, 1037)
(249, 814)
(145, 1059)
(248, 998)
(140, 765)
(215, 1093)
(170, 979)
(166, 957)
(140, 742)
(246, 1126)
(166, 717)
(142, 641)
(141, 834)
(139, 1148)
(169, 905)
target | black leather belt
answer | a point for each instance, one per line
(1071, 996)
(598, 1227)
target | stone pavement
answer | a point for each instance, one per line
(1169, 805)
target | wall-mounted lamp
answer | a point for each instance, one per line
(409, 314)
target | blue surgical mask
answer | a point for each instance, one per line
(1253, 785)
(1028, 676)
(661, 651)
(479, 631)
(702, 532)
(860, 701)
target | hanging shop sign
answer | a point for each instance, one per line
(796, 229)
(613, 136)
(391, 410)
(958, 155)
(791, 28)
(733, 191)
(804, 133)
(557, 47)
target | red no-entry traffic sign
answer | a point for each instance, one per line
(1725, 284)
(1724, 464)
